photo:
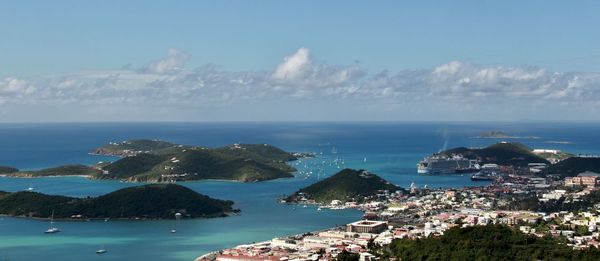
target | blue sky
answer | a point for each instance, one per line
(56, 56)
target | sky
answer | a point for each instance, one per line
(74, 61)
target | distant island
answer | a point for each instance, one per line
(502, 135)
(346, 185)
(160, 161)
(155, 201)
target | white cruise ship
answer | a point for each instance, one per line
(438, 164)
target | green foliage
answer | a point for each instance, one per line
(347, 256)
(493, 242)
(7, 170)
(148, 201)
(65, 170)
(134, 165)
(245, 162)
(506, 153)
(572, 166)
(345, 185)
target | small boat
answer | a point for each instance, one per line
(101, 250)
(30, 189)
(319, 209)
(173, 231)
(52, 229)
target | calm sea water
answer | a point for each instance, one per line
(388, 149)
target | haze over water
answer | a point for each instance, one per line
(390, 150)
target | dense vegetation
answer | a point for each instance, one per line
(493, 242)
(574, 165)
(531, 202)
(167, 162)
(346, 185)
(504, 153)
(7, 170)
(148, 201)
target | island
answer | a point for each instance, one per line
(502, 135)
(145, 160)
(344, 186)
(154, 201)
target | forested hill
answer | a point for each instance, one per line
(503, 153)
(346, 185)
(156, 201)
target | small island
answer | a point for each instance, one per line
(161, 161)
(346, 185)
(502, 135)
(155, 201)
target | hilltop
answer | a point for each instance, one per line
(156, 201)
(161, 161)
(503, 153)
(345, 185)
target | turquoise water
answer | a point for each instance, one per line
(391, 150)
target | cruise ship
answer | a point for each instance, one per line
(438, 164)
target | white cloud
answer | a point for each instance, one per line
(174, 61)
(165, 88)
(294, 66)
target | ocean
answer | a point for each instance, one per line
(390, 150)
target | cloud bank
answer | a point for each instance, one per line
(301, 88)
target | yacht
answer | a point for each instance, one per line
(101, 250)
(52, 229)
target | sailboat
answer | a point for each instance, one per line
(101, 250)
(52, 229)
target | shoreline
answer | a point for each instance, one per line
(226, 214)
(91, 177)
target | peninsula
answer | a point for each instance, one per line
(161, 161)
(155, 201)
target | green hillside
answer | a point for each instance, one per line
(161, 161)
(493, 242)
(572, 166)
(504, 153)
(66, 170)
(157, 201)
(345, 185)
